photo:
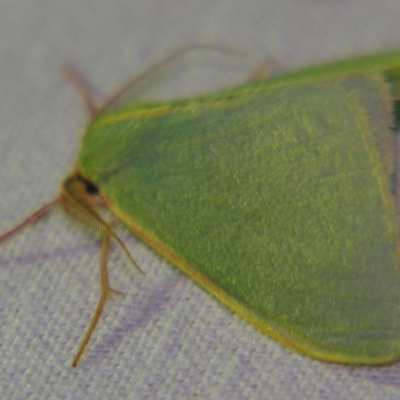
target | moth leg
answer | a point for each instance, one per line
(84, 89)
(31, 219)
(79, 205)
(138, 79)
(105, 290)
(262, 70)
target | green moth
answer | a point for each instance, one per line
(275, 196)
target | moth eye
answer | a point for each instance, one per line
(91, 188)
